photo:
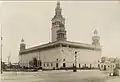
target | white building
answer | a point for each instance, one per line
(107, 66)
(61, 53)
(116, 61)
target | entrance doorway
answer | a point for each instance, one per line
(79, 66)
(64, 65)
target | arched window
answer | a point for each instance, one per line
(73, 64)
(98, 66)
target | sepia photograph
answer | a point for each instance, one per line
(60, 41)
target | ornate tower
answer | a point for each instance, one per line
(22, 45)
(58, 22)
(96, 38)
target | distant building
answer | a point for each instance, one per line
(107, 66)
(60, 53)
(117, 62)
(109, 63)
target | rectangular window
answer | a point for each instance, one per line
(51, 64)
(44, 64)
(101, 66)
(57, 65)
(47, 64)
(73, 64)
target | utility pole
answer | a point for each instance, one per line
(1, 51)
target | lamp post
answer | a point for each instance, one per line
(1, 51)
(75, 67)
(1, 57)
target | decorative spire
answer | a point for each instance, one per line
(58, 9)
(95, 38)
(22, 40)
(58, 3)
(95, 32)
(22, 45)
(58, 13)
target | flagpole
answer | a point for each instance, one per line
(1, 50)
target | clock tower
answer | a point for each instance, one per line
(58, 22)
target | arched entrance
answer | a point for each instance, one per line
(105, 67)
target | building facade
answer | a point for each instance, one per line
(61, 53)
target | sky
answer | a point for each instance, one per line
(32, 21)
